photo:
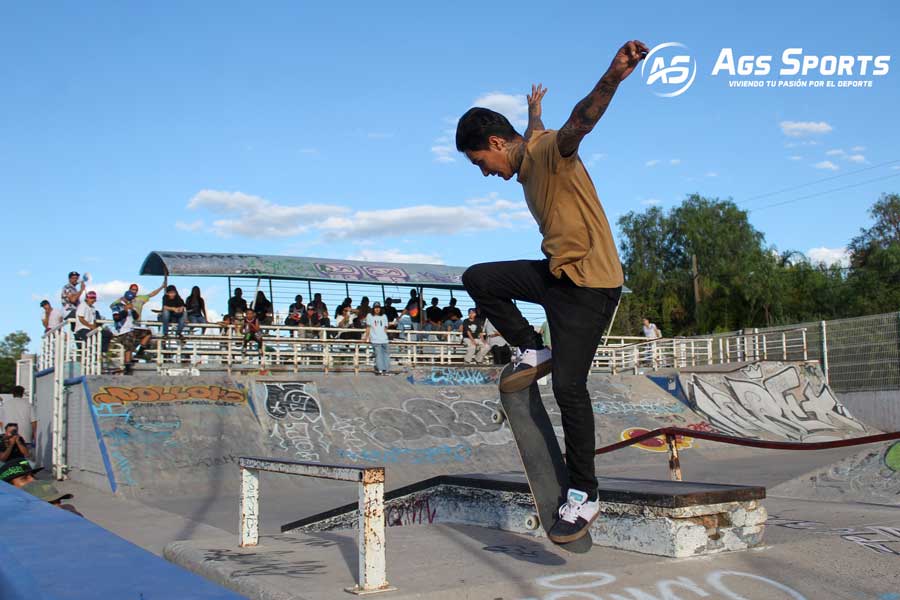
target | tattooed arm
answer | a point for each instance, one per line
(587, 112)
(534, 110)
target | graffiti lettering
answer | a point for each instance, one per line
(291, 400)
(450, 376)
(782, 404)
(657, 444)
(415, 512)
(862, 536)
(422, 416)
(265, 563)
(642, 407)
(168, 393)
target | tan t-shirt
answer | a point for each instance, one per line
(564, 202)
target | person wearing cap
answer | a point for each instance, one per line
(86, 317)
(52, 317)
(19, 473)
(376, 334)
(133, 300)
(71, 295)
(12, 446)
(473, 337)
(122, 330)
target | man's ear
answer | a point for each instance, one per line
(496, 142)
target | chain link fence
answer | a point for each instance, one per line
(858, 354)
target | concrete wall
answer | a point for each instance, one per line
(880, 410)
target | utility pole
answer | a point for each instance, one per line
(696, 276)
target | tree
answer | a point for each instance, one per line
(882, 234)
(11, 349)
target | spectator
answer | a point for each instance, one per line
(20, 474)
(122, 331)
(173, 310)
(71, 295)
(376, 334)
(236, 304)
(452, 316)
(12, 445)
(499, 348)
(17, 409)
(86, 317)
(295, 311)
(409, 321)
(413, 300)
(348, 320)
(321, 307)
(195, 307)
(651, 331)
(545, 335)
(473, 337)
(134, 300)
(52, 318)
(433, 316)
(311, 318)
(389, 311)
(348, 301)
(363, 310)
(263, 308)
(225, 325)
(252, 331)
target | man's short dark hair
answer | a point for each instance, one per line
(44, 303)
(477, 125)
(18, 391)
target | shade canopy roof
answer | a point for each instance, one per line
(303, 268)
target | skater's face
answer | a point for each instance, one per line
(494, 160)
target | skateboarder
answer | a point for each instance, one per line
(579, 282)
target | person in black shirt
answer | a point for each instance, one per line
(195, 307)
(413, 299)
(263, 308)
(237, 306)
(451, 316)
(473, 337)
(173, 310)
(320, 307)
(295, 311)
(12, 446)
(433, 314)
(389, 311)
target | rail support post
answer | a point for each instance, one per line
(371, 535)
(249, 507)
(674, 462)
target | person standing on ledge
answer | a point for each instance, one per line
(578, 284)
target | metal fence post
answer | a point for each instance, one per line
(371, 533)
(824, 330)
(249, 534)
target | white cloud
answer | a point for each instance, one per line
(109, 290)
(856, 158)
(513, 107)
(857, 149)
(804, 128)
(795, 157)
(192, 226)
(394, 255)
(829, 256)
(650, 202)
(826, 164)
(256, 217)
(835, 152)
(801, 144)
(675, 161)
(23, 273)
(651, 163)
(443, 150)
(712, 174)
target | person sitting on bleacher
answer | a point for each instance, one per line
(295, 311)
(86, 317)
(252, 331)
(236, 304)
(123, 332)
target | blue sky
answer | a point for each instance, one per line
(316, 130)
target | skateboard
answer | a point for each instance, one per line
(545, 468)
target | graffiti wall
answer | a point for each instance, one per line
(782, 401)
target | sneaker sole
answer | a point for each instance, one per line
(563, 539)
(522, 379)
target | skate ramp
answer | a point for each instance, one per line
(872, 475)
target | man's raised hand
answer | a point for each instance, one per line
(627, 58)
(534, 99)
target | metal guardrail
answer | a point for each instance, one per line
(371, 542)
(672, 434)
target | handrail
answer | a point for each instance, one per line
(671, 434)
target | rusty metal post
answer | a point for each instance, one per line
(372, 576)
(674, 462)
(249, 526)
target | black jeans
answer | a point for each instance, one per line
(578, 318)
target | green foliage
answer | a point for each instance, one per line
(744, 283)
(11, 349)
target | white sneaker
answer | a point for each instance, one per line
(528, 367)
(575, 517)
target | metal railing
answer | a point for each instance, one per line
(372, 577)
(672, 435)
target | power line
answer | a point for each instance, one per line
(817, 181)
(822, 193)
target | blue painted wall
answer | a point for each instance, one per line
(51, 554)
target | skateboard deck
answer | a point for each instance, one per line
(545, 468)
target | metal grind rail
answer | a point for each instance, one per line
(672, 434)
(372, 576)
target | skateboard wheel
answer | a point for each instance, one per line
(532, 522)
(497, 416)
